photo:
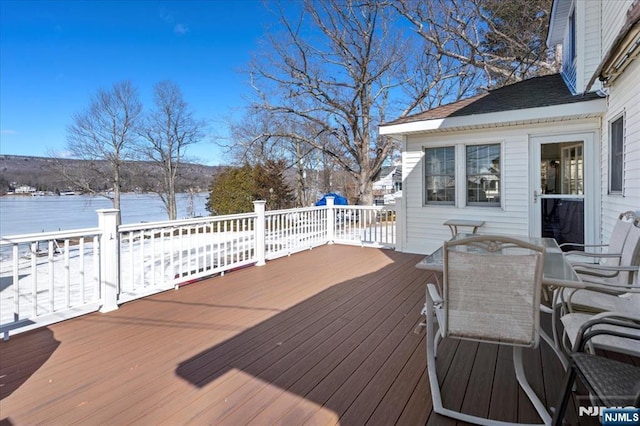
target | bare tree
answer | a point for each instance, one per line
(259, 138)
(104, 131)
(338, 68)
(327, 81)
(502, 41)
(333, 73)
(167, 131)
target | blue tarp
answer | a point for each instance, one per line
(338, 200)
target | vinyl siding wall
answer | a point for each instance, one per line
(623, 98)
(592, 49)
(614, 15)
(424, 223)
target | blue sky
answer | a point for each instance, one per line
(54, 55)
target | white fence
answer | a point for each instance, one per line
(49, 277)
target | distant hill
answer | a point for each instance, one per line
(43, 174)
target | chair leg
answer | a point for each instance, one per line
(436, 341)
(524, 384)
(436, 396)
(564, 399)
(554, 317)
(556, 350)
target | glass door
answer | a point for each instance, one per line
(561, 192)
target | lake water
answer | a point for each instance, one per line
(26, 215)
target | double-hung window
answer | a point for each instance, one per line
(478, 175)
(483, 175)
(440, 176)
(616, 156)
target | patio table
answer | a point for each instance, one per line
(557, 270)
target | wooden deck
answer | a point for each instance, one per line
(326, 336)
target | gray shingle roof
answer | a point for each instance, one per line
(535, 92)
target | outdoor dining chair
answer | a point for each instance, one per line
(491, 293)
(610, 383)
(607, 287)
(628, 257)
(627, 303)
(613, 253)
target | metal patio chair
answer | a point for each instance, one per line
(607, 287)
(610, 383)
(601, 297)
(491, 294)
(613, 253)
(613, 270)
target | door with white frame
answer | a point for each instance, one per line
(562, 202)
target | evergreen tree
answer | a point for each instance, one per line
(235, 189)
(232, 191)
(271, 185)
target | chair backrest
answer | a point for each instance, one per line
(630, 253)
(492, 288)
(618, 237)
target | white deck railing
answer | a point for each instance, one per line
(162, 255)
(54, 276)
(48, 277)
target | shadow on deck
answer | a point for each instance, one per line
(325, 336)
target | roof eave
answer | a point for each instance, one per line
(558, 22)
(554, 112)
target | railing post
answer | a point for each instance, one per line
(331, 219)
(400, 235)
(109, 259)
(259, 209)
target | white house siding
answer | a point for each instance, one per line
(426, 222)
(385, 183)
(592, 49)
(614, 15)
(623, 97)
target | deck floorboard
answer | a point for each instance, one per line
(326, 336)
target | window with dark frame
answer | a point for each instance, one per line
(572, 35)
(440, 179)
(616, 155)
(483, 175)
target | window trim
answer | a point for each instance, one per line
(500, 180)
(460, 175)
(425, 201)
(614, 120)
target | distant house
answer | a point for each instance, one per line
(556, 156)
(389, 183)
(25, 189)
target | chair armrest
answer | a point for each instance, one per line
(583, 245)
(434, 294)
(611, 268)
(608, 287)
(591, 254)
(624, 323)
(601, 271)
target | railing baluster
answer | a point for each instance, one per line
(67, 271)
(34, 280)
(51, 283)
(142, 262)
(83, 294)
(96, 268)
(16, 284)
